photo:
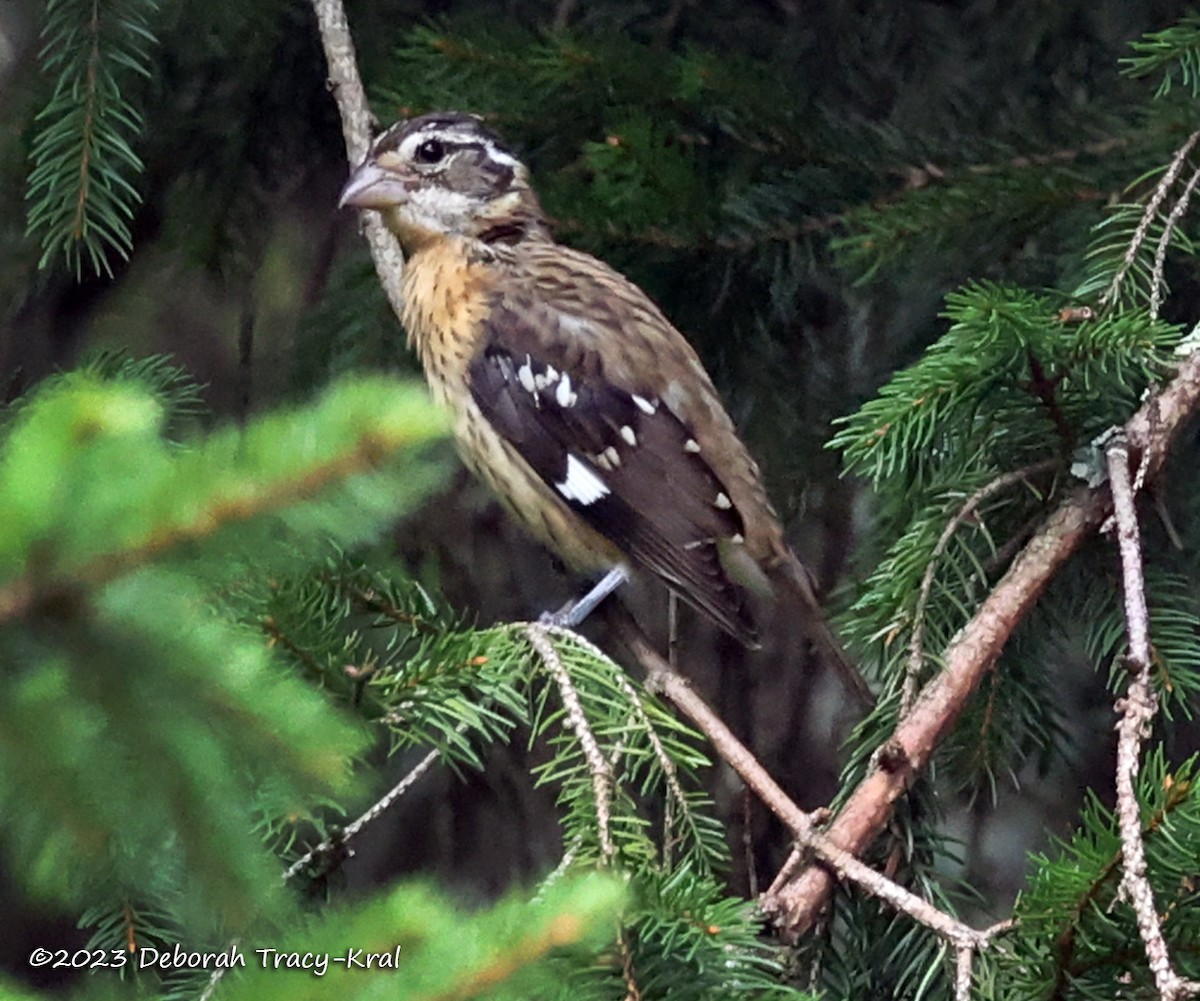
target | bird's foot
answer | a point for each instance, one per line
(573, 613)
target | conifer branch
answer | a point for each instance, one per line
(1151, 431)
(81, 190)
(25, 593)
(1138, 708)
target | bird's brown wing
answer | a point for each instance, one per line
(610, 447)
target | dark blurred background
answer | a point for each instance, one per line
(245, 273)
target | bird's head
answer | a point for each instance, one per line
(446, 174)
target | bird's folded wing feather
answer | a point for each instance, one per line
(611, 445)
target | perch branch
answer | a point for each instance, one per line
(600, 770)
(662, 677)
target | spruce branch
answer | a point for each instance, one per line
(81, 190)
(1151, 431)
(230, 500)
(1174, 51)
(1137, 708)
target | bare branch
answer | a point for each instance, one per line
(661, 676)
(1137, 709)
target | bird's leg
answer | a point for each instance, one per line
(573, 613)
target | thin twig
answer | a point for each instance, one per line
(562, 15)
(599, 768)
(375, 811)
(348, 832)
(1137, 709)
(916, 646)
(1157, 281)
(1148, 217)
(675, 793)
(210, 988)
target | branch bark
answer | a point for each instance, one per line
(346, 86)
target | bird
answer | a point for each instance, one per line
(571, 395)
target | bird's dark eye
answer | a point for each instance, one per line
(430, 151)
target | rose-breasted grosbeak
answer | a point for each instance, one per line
(573, 397)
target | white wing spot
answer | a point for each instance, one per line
(723, 502)
(644, 405)
(564, 395)
(608, 460)
(737, 538)
(581, 484)
(547, 378)
(691, 445)
(628, 434)
(525, 374)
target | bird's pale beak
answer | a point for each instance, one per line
(373, 187)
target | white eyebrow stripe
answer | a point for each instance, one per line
(501, 157)
(455, 138)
